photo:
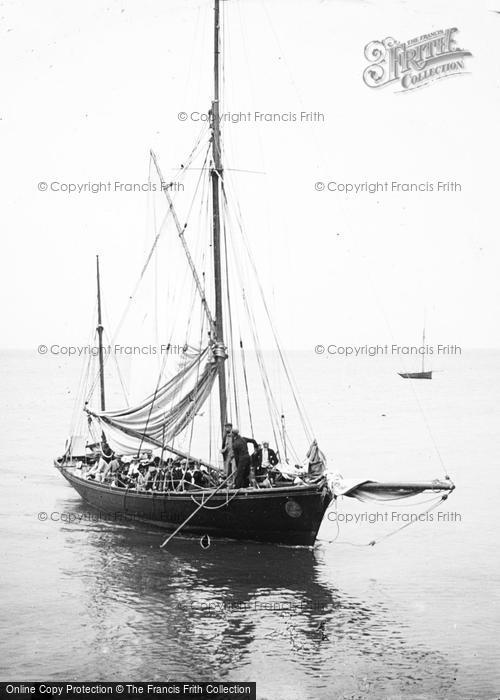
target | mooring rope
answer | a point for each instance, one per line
(372, 543)
(221, 505)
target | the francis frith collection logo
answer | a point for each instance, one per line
(414, 63)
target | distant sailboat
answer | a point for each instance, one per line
(423, 374)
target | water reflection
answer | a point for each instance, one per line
(239, 611)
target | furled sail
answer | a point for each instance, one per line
(166, 412)
(316, 460)
(368, 490)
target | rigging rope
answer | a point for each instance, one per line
(300, 408)
(372, 543)
(171, 211)
(272, 408)
(221, 505)
(246, 386)
(85, 372)
(368, 276)
(230, 324)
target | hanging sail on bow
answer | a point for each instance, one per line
(165, 414)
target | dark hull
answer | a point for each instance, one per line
(290, 515)
(416, 375)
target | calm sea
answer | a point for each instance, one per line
(415, 616)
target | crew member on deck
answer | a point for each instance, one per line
(102, 468)
(142, 477)
(265, 457)
(114, 467)
(227, 449)
(242, 458)
(106, 450)
(263, 461)
(122, 481)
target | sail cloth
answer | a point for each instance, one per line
(76, 446)
(313, 466)
(316, 460)
(353, 488)
(164, 414)
(123, 444)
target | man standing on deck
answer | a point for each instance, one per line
(227, 449)
(265, 457)
(242, 458)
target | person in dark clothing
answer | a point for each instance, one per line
(177, 473)
(242, 458)
(122, 479)
(227, 449)
(197, 476)
(106, 450)
(265, 457)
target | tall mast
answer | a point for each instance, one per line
(99, 333)
(216, 176)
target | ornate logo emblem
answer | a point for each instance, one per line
(416, 62)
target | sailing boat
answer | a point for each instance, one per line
(423, 374)
(164, 487)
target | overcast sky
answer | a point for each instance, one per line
(87, 88)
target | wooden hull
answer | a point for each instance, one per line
(289, 515)
(416, 375)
